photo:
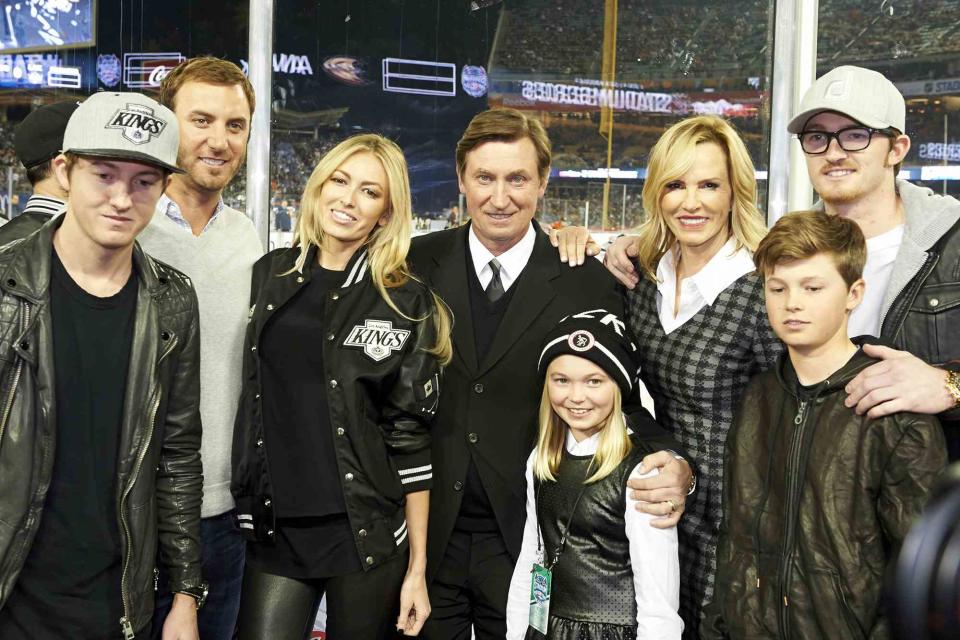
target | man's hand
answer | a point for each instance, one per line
(575, 244)
(181, 622)
(414, 604)
(901, 382)
(664, 494)
(619, 260)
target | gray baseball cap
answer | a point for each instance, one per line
(124, 126)
(861, 94)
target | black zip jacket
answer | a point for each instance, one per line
(382, 390)
(816, 502)
(159, 471)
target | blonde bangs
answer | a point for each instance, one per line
(613, 444)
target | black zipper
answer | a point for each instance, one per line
(792, 508)
(898, 313)
(126, 627)
(14, 375)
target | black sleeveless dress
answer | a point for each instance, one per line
(592, 595)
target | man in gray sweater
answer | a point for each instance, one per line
(216, 246)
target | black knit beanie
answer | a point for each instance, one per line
(601, 338)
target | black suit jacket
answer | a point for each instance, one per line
(488, 409)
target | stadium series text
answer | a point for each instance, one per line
(594, 97)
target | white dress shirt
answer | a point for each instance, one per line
(701, 289)
(653, 556)
(172, 210)
(512, 261)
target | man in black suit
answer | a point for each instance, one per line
(507, 288)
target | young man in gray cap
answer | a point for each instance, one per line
(100, 426)
(37, 140)
(851, 128)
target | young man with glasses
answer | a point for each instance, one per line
(851, 128)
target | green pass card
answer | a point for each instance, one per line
(540, 579)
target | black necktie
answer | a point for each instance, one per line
(495, 289)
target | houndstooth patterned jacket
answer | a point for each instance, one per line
(696, 375)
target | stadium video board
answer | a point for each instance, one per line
(43, 25)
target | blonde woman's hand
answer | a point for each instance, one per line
(575, 244)
(414, 604)
(618, 260)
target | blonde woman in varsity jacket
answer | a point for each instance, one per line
(331, 456)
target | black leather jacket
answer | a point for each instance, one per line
(160, 476)
(816, 501)
(922, 310)
(382, 393)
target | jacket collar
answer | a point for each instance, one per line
(27, 269)
(355, 271)
(927, 216)
(787, 376)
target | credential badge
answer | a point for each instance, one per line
(136, 123)
(377, 338)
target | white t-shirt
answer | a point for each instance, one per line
(881, 253)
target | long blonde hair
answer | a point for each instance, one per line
(388, 244)
(671, 157)
(613, 446)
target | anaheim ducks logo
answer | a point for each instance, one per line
(136, 123)
(377, 338)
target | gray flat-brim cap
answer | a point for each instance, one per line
(124, 126)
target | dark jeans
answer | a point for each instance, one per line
(470, 589)
(222, 560)
(360, 606)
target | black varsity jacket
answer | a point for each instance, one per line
(382, 389)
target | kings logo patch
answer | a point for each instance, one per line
(136, 123)
(377, 338)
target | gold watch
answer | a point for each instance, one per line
(953, 386)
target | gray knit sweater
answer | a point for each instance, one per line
(220, 263)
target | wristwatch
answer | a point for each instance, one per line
(197, 593)
(693, 474)
(953, 386)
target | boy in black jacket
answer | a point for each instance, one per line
(816, 498)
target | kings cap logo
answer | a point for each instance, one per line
(377, 338)
(581, 340)
(136, 123)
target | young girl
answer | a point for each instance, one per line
(603, 571)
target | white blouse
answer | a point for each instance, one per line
(701, 289)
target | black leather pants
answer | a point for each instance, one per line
(360, 606)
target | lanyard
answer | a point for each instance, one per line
(566, 529)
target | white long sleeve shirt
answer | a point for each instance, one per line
(653, 555)
(702, 288)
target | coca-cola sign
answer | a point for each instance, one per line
(146, 70)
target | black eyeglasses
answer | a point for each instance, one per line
(849, 139)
